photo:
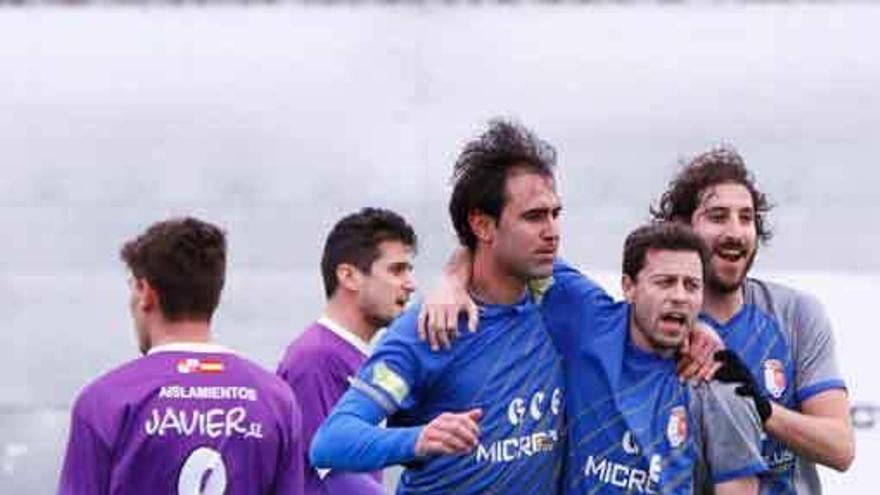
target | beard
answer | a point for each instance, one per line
(717, 285)
(662, 345)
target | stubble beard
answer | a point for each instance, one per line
(716, 285)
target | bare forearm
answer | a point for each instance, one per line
(740, 486)
(827, 440)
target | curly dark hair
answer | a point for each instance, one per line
(481, 170)
(716, 166)
(184, 259)
(355, 240)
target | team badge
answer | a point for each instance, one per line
(677, 428)
(194, 365)
(774, 377)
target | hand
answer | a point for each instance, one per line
(733, 370)
(450, 434)
(695, 358)
(438, 316)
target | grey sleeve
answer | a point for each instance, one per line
(729, 433)
(814, 353)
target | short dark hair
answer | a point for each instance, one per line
(184, 259)
(482, 168)
(717, 166)
(355, 240)
(667, 236)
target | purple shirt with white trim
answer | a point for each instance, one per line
(186, 418)
(317, 366)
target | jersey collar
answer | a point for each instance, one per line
(199, 347)
(345, 334)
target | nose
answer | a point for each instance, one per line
(734, 229)
(409, 281)
(679, 293)
(551, 231)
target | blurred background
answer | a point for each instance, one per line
(274, 119)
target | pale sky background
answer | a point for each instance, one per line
(274, 121)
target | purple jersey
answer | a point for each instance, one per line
(185, 419)
(318, 365)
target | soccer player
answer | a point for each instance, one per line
(486, 416)
(633, 425)
(367, 267)
(190, 416)
(783, 335)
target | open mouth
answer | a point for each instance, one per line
(674, 318)
(731, 254)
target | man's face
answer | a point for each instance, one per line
(666, 297)
(385, 290)
(725, 219)
(137, 292)
(526, 236)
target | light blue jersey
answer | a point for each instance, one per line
(785, 338)
(509, 368)
(633, 426)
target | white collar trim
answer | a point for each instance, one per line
(200, 347)
(345, 334)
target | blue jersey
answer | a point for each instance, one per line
(633, 426)
(509, 368)
(785, 338)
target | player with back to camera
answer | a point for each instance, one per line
(190, 416)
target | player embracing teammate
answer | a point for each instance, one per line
(557, 388)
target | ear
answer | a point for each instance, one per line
(348, 276)
(148, 298)
(629, 288)
(482, 225)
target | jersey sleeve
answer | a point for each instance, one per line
(352, 440)
(571, 306)
(291, 472)
(398, 368)
(359, 483)
(309, 377)
(817, 369)
(88, 460)
(729, 433)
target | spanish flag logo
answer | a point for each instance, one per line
(195, 365)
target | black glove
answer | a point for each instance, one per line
(733, 370)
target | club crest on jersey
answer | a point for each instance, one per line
(677, 428)
(195, 365)
(774, 377)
